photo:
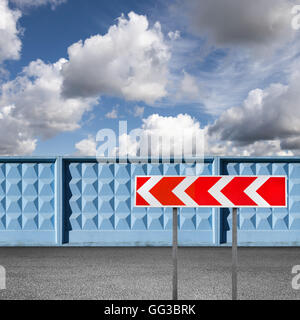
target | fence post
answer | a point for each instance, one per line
(59, 201)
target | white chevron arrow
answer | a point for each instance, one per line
(146, 187)
(179, 191)
(215, 191)
(252, 194)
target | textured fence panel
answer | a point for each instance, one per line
(27, 202)
(71, 201)
(99, 206)
(278, 226)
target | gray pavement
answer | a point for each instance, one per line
(146, 273)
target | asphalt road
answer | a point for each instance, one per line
(146, 273)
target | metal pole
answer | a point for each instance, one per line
(234, 254)
(174, 253)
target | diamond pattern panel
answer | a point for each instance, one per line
(280, 219)
(122, 196)
(27, 196)
(102, 197)
(139, 217)
(46, 197)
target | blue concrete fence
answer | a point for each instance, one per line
(79, 201)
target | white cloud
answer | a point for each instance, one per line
(226, 66)
(130, 61)
(174, 35)
(10, 43)
(14, 140)
(112, 115)
(268, 120)
(165, 136)
(36, 3)
(219, 147)
(138, 111)
(260, 23)
(32, 107)
(182, 129)
(86, 147)
(189, 89)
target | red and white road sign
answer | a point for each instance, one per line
(210, 191)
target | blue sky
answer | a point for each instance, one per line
(47, 35)
(231, 70)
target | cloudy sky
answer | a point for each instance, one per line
(227, 68)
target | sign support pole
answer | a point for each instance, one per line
(174, 253)
(203, 191)
(234, 253)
